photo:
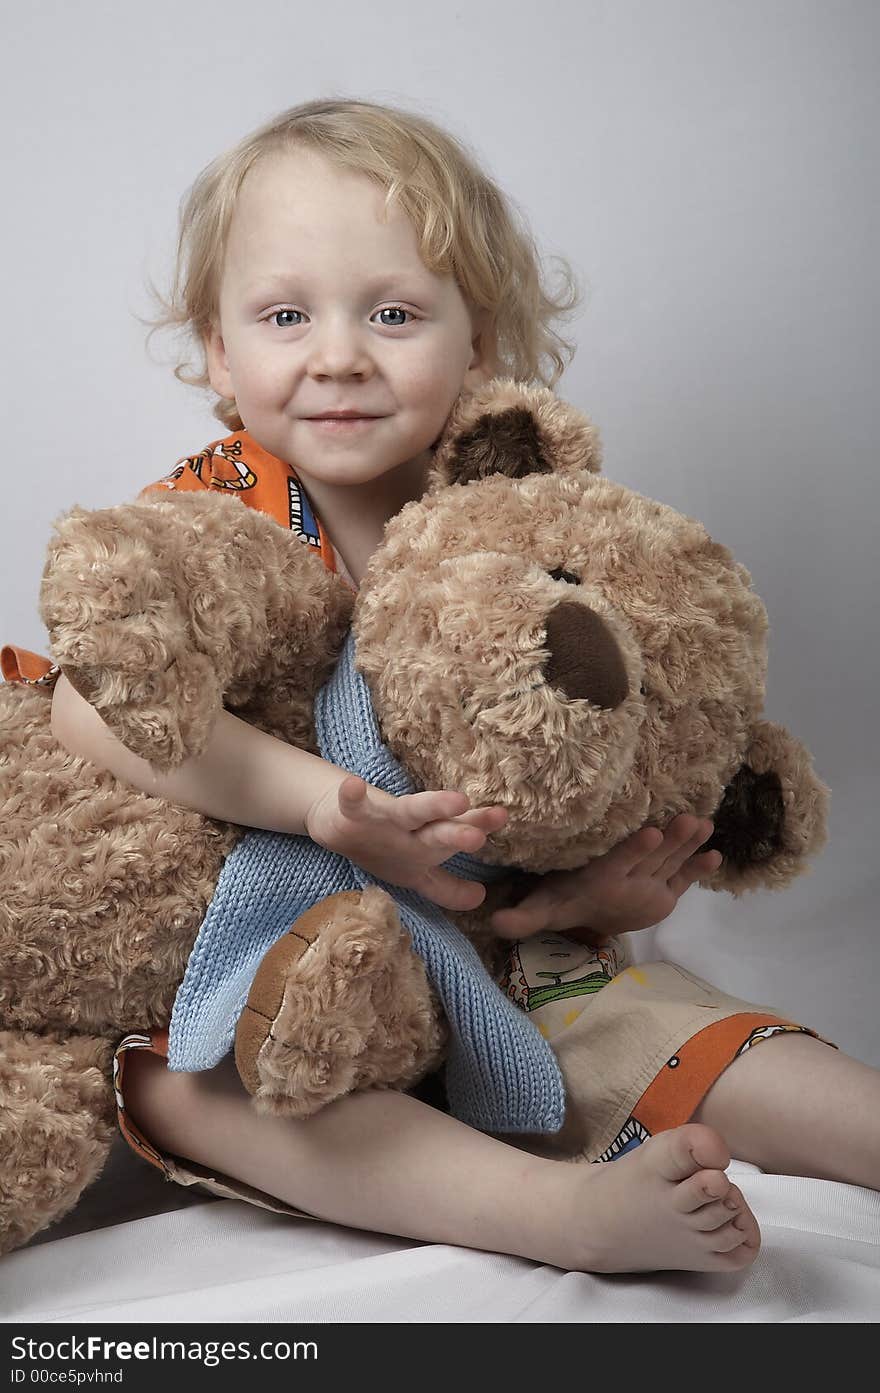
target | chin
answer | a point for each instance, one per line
(334, 468)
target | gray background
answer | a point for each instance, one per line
(708, 166)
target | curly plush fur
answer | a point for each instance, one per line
(533, 634)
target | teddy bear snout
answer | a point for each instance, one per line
(585, 661)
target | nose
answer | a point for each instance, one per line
(336, 350)
(585, 661)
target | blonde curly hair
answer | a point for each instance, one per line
(465, 227)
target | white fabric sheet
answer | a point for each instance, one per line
(217, 1261)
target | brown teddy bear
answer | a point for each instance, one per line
(532, 634)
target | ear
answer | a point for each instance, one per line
(217, 363)
(511, 428)
(483, 365)
(772, 817)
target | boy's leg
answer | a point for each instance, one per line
(794, 1106)
(385, 1161)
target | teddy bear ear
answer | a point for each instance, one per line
(772, 817)
(510, 428)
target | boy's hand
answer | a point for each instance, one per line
(635, 885)
(404, 840)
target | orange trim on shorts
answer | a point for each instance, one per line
(156, 1042)
(676, 1092)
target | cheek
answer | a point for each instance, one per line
(436, 379)
(253, 371)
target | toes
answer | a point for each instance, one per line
(746, 1222)
(734, 1199)
(742, 1229)
(701, 1190)
(682, 1152)
(735, 1260)
(711, 1217)
(712, 1203)
(725, 1239)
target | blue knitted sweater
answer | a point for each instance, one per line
(501, 1075)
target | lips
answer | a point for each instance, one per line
(342, 425)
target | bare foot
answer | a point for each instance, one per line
(667, 1206)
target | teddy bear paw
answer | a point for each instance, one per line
(341, 1002)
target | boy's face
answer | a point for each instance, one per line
(324, 307)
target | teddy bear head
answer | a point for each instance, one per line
(540, 637)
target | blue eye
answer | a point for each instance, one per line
(395, 309)
(291, 319)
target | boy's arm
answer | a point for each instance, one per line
(242, 776)
(248, 777)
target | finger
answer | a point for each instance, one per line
(351, 795)
(448, 836)
(680, 854)
(517, 922)
(694, 870)
(505, 925)
(539, 909)
(488, 819)
(676, 835)
(449, 891)
(414, 810)
(632, 851)
(589, 937)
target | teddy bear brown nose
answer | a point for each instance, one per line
(585, 661)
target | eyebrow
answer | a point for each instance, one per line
(397, 281)
(394, 279)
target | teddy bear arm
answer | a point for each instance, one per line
(56, 1127)
(158, 609)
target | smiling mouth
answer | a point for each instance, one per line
(342, 422)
